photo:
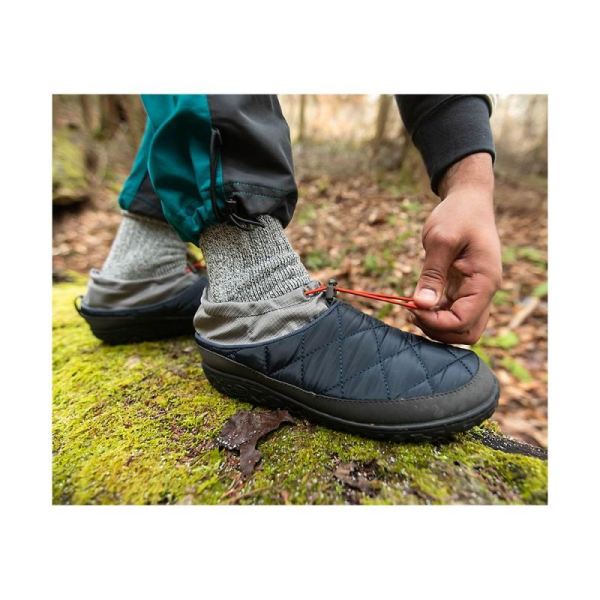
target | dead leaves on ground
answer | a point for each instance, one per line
(243, 431)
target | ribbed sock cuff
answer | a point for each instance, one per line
(143, 248)
(250, 265)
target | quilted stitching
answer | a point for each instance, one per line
(379, 362)
(426, 380)
(460, 359)
(322, 347)
(422, 365)
(395, 364)
(387, 387)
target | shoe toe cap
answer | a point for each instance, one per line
(478, 392)
(462, 395)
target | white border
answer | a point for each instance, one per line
(324, 47)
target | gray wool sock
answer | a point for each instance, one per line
(247, 266)
(144, 248)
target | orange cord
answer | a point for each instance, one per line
(404, 301)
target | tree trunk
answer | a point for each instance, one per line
(383, 110)
(302, 119)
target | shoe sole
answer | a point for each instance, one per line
(243, 383)
(128, 330)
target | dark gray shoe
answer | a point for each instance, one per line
(170, 317)
(350, 371)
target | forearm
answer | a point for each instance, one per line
(446, 129)
(474, 172)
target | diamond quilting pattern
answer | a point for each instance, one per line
(348, 354)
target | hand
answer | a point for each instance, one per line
(463, 265)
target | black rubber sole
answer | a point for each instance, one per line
(246, 387)
(128, 330)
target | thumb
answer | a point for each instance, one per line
(434, 276)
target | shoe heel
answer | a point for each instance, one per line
(127, 330)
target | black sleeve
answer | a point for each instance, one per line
(446, 129)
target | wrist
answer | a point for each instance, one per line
(474, 173)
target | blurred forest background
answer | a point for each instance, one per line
(364, 195)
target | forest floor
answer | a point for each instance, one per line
(140, 424)
(365, 231)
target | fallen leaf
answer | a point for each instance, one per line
(242, 432)
(375, 217)
(350, 474)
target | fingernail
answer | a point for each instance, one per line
(426, 295)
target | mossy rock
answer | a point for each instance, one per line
(137, 425)
(69, 178)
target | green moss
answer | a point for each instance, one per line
(379, 264)
(385, 311)
(540, 290)
(482, 353)
(506, 340)
(501, 298)
(68, 166)
(533, 255)
(315, 260)
(136, 425)
(306, 214)
(401, 239)
(517, 369)
(510, 255)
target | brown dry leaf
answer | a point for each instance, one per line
(375, 217)
(245, 429)
(350, 474)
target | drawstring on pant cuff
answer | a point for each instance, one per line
(232, 204)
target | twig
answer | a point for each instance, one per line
(530, 304)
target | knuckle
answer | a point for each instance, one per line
(433, 274)
(444, 238)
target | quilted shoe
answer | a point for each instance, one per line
(170, 317)
(350, 371)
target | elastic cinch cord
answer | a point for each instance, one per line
(231, 204)
(332, 288)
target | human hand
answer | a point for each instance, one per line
(463, 265)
